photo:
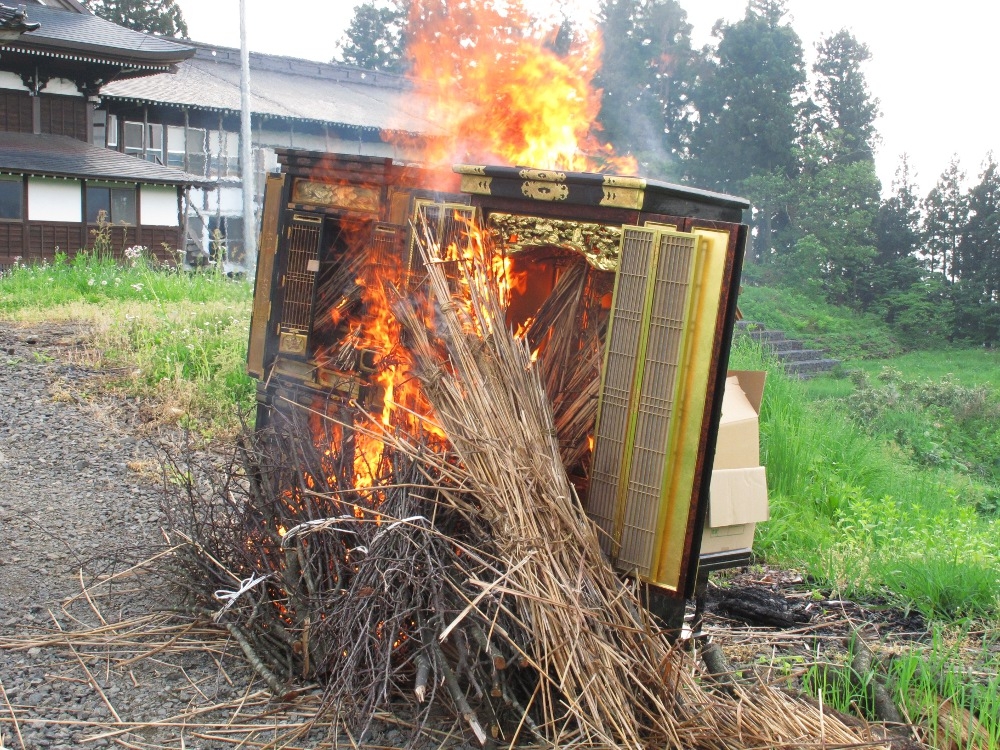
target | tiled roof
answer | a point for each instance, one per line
(83, 34)
(61, 156)
(15, 20)
(285, 88)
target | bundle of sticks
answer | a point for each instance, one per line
(465, 578)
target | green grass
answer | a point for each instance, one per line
(969, 367)
(844, 333)
(860, 516)
(178, 337)
(947, 687)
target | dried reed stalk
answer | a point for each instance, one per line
(466, 576)
(609, 677)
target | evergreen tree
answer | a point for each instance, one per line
(899, 290)
(161, 17)
(946, 212)
(977, 298)
(897, 228)
(845, 111)
(834, 209)
(374, 40)
(746, 94)
(644, 68)
(837, 193)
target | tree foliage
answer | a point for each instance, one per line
(978, 260)
(161, 17)
(375, 38)
(644, 78)
(845, 110)
(946, 212)
(747, 93)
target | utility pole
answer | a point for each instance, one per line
(247, 171)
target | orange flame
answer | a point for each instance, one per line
(489, 74)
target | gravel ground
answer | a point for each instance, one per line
(77, 500)
(80, 501)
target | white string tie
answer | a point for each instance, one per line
(230, 597)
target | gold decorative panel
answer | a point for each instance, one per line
(598, 243)
(658, 354)
(355, 197)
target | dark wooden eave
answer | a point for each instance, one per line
(82, 38)
(60, 156)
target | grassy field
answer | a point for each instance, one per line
(884, 482)
(889, 489)
(885, 486)
(170, 335)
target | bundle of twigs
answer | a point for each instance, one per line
(590, 643)
(360, 589)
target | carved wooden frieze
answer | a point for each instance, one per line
(356, 197)
(598, 243)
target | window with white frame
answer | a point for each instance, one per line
(196, 151)
(111, 132)
(176, 146)
(100, 128)
(133, 138)
(224, 150)
(154, 143)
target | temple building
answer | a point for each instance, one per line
(98, 118)
(56, 184)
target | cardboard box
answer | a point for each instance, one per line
(738, 446)
(738, 492)
(737, 505)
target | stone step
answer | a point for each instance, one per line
(810, 368)
(765, 336)
(800, 355)
(783, 345)
(798, 359)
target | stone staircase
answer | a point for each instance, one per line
(798, 360)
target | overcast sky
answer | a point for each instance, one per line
(934, 67)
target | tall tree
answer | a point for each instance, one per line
(162, 17)
(644, 78)
(897, 228)
(375, 38)
(978, 296)
(898, 288)
(946, 212)
(845, 113)
(837, 195)
(747, 94)
(834, 209)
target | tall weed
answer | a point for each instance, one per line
(179, 337)
(854, 511)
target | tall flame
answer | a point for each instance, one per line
(492, 79)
